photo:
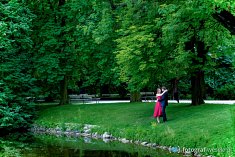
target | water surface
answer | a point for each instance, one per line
(51, 146)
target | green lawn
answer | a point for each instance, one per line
(208, 125)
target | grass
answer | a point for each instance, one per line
(208, 125)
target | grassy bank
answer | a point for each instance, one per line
(208, 125)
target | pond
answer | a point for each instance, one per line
(52, 146)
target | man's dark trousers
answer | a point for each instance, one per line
(164, 103)
(163, 111)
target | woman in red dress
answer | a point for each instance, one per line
(158, 108)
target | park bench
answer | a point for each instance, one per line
(84, 98)
(95, 98)
(148, 96)
(110, 95)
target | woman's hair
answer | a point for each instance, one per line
(159, 89)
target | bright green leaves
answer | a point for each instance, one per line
(228, 5)
(154, 49)
(4, 41)
(137, 55)
(194, 19)
(105, 25)
(15, 28)
(16, 65)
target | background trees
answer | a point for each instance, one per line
(169, 40)
(58, 43)
(114, 43)
(144, 44)
(16, 61)
(73, 46)
(51, 48)
(191, 27)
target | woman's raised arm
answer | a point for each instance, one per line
(162, 93)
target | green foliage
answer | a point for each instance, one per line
(139, 52)
(99, 60)
(194, 19)
(17, 82)
(16, 61)
(7, 149)
(136, 56)
(226, 91)
(220, 77)
(57, 48)
(152, 38)
(100, 43)
(73, 40)
(15, 112)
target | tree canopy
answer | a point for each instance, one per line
(16, 61)
(51, 48)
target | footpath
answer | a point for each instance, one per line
(228, 102)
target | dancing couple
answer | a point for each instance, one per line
(162, 102)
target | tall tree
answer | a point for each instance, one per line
(101, 32)
(144, 57)
(192, 27)
(73, 42)
(60, 43)
(136, 46)
(178, 37)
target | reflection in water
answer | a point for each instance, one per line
(53, 152)
(48, 146)
(90, 153)
(82, 153)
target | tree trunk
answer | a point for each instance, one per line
(135, 97)
(64, 82)
(198, 83)
(64, 91)
(226, 19)
(197, 74)
(197, 77)
(175, 92)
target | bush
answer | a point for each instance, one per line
(15, 113)
(226, 92)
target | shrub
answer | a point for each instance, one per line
(15, 112)
(226, 92)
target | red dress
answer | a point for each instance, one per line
(158, 108)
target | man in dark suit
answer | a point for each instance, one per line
(164, 103)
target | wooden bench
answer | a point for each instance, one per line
(110, 95)
(84, 98)
(148, 96)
